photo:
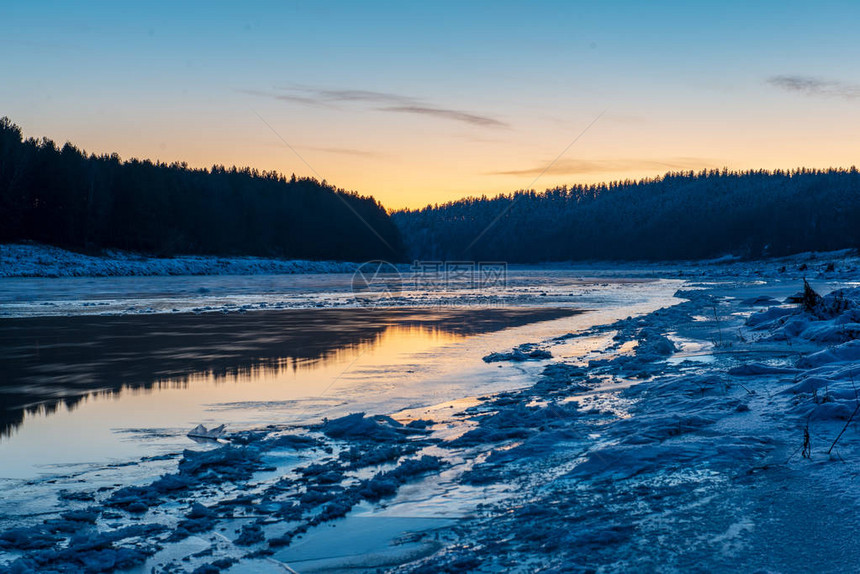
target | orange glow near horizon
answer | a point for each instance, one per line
(431, 102)
(406, 170)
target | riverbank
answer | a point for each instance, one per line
(36, 260)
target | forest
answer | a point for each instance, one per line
(61, 196)
(682, 215)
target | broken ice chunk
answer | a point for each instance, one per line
(200, 431)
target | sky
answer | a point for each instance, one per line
(418, 103)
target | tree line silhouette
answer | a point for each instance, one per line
(682, 215)
(61, 196)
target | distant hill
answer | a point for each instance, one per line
(63, 197)
(678, 216)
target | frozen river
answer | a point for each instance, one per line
(100, 371)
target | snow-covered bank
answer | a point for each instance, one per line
(717, 435)
(34, 260)
(843, 264)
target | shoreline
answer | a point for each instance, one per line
(34, 260)
(713, 442)
(30, 260)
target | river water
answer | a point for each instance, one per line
(95, 372)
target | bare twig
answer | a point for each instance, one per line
(848, 422)
(746, 389)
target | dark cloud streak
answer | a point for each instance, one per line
(456, 115)
(382, 101)
(364, 96)
(286, 97)
(346, 151)
(812, 86)
(583, 166)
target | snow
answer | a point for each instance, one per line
(525, 352)
(716, 432)
(35, 260)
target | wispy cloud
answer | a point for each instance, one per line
(359, 96)
(457, 115)
(293, 98)
(379, 101)
(586, 166)
(812, 86)
(346, 151)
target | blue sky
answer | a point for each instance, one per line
(425, 102)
